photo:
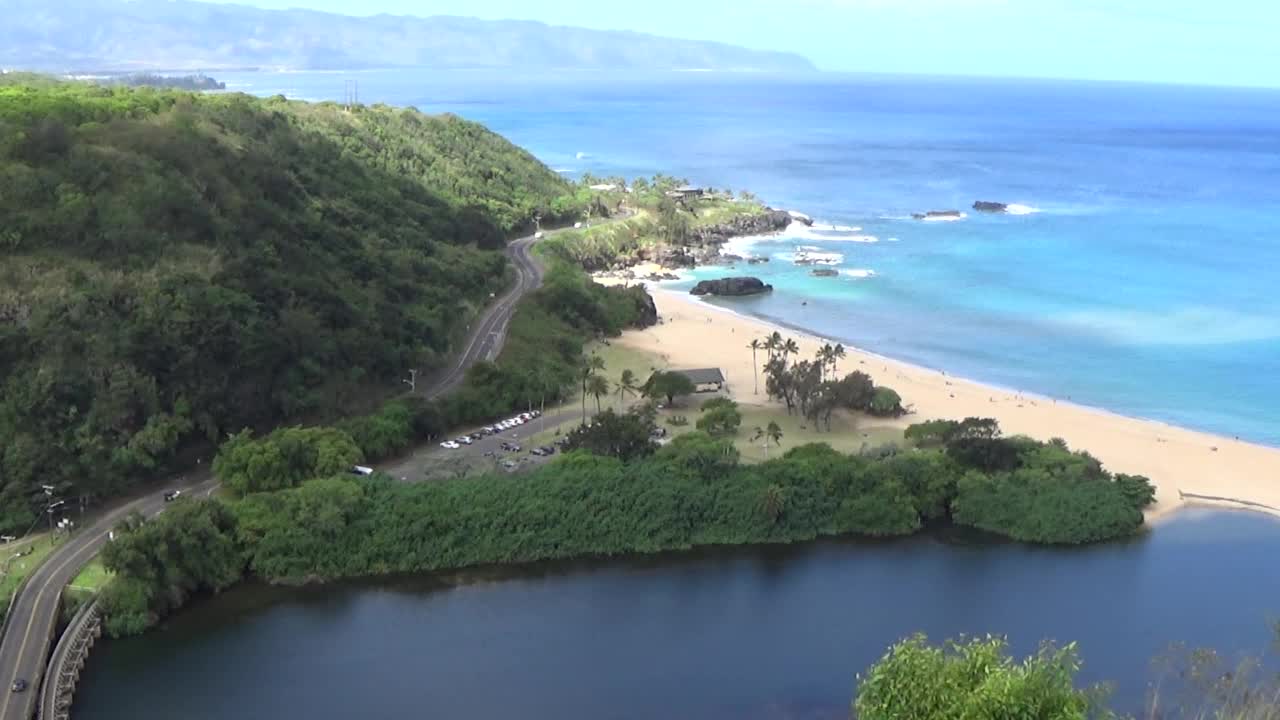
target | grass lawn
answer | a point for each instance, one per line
(717, 212)
(92, 577)
(15, 570)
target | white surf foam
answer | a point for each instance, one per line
(827, 233)
(946, 218)
(859, 273)
(1016, 209)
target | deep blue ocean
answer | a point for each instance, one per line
(1143, 277)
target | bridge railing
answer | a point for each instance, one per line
(68, 659)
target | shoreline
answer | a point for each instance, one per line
(1217, 472)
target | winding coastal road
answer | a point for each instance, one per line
(28, 631)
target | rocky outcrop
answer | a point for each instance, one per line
(757, 260)
(769, 222)
(824, 272)
(731, 287)
(937, 214)
(990, 207)
(648, 312)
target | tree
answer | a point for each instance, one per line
(586, 371)
(755, 346)
(700, 454)
(838, 353)
(720, 417)
(597, 387)
(669, 385)
(774, 344)
(625, 436)
(790, 348)
(772, 432)
(974, 679)
(626, 385)
(886, 403)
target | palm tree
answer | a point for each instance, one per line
(755, 366)
(790, 348)
(837, 354)
(771, 432)
(824, 359)
(585, 372)
(774, 344)
(598, 387)
(626, 386)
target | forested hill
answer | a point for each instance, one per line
(94, 35)
(176, 266)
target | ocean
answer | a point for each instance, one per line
(1140, 274)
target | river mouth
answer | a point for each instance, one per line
(757, 632)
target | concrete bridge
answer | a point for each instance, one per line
(68, 660)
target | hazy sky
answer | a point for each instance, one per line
(1222, 42)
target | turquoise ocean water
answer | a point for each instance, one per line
(1144, 276)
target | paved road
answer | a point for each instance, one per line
(24, 649)
(490, 330)
(25, 646)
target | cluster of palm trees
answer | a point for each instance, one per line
(780, 351)
(594, 384)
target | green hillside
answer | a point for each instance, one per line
(175, 266)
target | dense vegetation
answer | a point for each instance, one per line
(975, 678)
(657, 225)
(631, 497)
(174, 267)
(813, 389)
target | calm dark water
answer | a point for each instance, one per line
(748, 633)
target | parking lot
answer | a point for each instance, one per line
(485, 452)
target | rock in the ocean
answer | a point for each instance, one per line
(731, 287)
(801, 218)
(757, 260)
(990, 207)
(824, 272)
(937, 214)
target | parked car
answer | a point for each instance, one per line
(450, 445)
(465, 440)
(169, 496)
(509, 464)
(19, 685)
(361, 470)
(476, 435)
(549, 450)
(538, 451)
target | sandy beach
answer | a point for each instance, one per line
(1180, 462)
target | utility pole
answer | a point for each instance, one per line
(412, 381)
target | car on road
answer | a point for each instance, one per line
(19, 685)
(465, 440)
(170, 496)
(450, 445)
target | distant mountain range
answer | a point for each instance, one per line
(85, 35)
